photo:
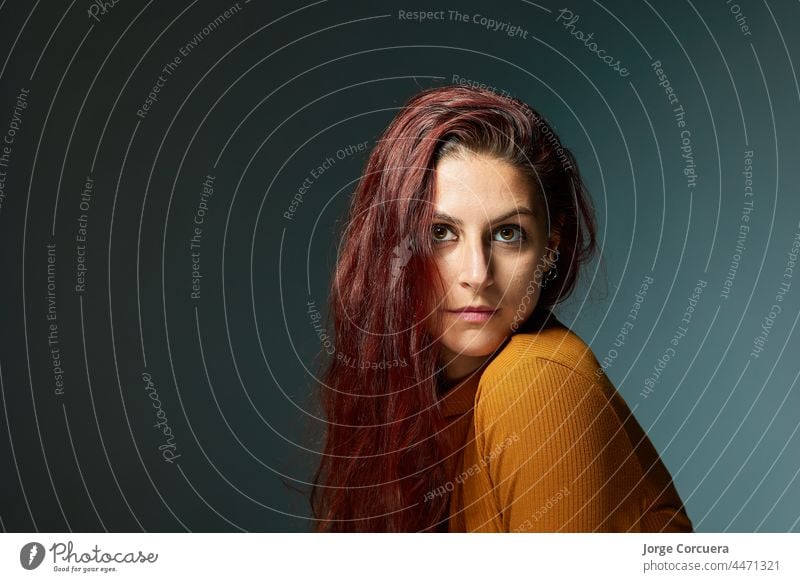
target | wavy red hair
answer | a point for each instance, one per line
(385, 446)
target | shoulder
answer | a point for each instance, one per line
(543, 419)
(548, 379)
(553, 347)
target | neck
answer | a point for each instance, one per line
(460, 367)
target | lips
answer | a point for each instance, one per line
(476, 308)
(474, 314)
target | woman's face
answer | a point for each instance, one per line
(489, 237)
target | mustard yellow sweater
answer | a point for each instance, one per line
(543, 442)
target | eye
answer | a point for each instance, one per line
(509, 233)
(440, 232)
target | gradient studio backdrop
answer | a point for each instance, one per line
(123, 317)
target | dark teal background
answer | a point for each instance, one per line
(262, 101)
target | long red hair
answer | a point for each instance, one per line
(385, 445)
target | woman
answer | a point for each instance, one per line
(456, 401)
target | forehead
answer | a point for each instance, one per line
(476, 184)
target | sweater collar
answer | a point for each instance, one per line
(461, 397)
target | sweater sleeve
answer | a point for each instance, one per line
(556, 451)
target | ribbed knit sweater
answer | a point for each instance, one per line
(543, 442)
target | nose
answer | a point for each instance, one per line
(476, 266)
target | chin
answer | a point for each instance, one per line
(482, 344)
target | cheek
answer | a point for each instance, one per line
(447, 266)
(517, 277)
(448, 271)
(520, 301)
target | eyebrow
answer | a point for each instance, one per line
(522, 210)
